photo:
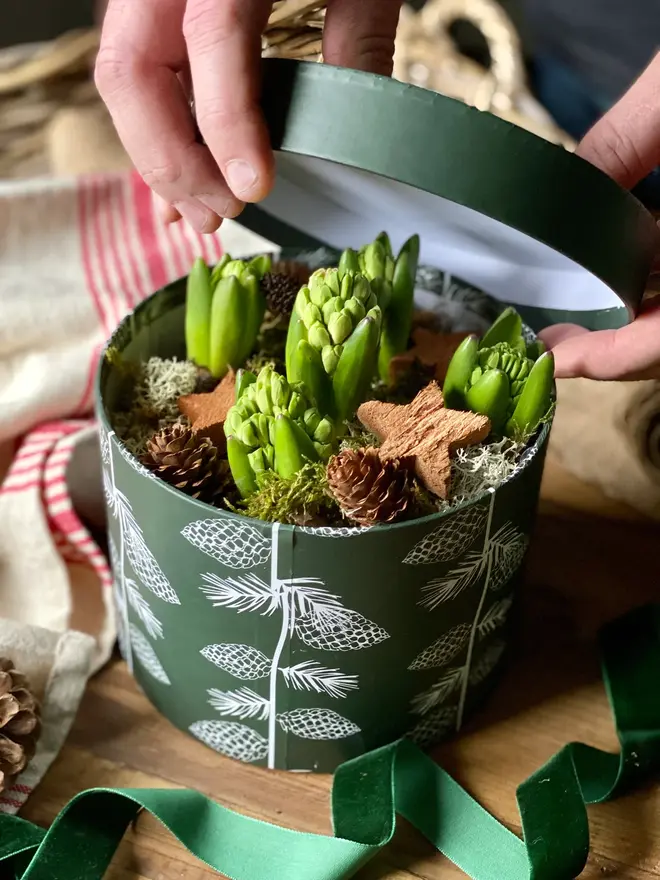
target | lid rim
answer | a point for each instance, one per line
(486, 164)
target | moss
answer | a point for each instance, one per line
(357, 437)
(150, 404)
(476, 469)
(304, 500)
(161, 384)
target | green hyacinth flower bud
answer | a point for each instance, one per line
(324, 450)
(340, 326)
(261, 423)
(257, 460)
(355, 308)
(297, 405)
(247, 434)
(346, 289)
(317, 336)
(332, 307)
(279, 390)
(312, 419)
(362, 290)
(311, 315)
(263, 399)
(330, 359)
(333, 281)
(320, 294)
(324, 431)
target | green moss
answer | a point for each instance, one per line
(304, 500)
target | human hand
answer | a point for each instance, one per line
(152, 49)
(625, 144)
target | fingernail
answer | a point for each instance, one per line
(223, 207)
(240, 176)
(200, 218)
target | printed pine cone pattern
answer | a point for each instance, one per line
(20, 725)
(189, 463)
(369, 490)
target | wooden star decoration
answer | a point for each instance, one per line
(426, 431)
(207, 412)
(431, 349)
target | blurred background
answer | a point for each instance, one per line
(553, 66)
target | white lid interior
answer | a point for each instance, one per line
(346, 207)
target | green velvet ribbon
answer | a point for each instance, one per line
(370, 791)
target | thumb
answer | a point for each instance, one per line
(625, 143)
(361, 34)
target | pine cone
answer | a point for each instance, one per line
(20, 724)
(189, 463)
(369, 490)
(281, 286)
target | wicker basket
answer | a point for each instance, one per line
(37, 81)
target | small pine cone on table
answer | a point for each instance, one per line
(187, 462)
(20, 725)
(281, 286)
(369, 490)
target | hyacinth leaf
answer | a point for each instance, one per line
(307, 368)
(349, 262)
(535, 399)
(289, 454)
(384, 240)
(506, 328)
(411, 249)
(295, 334)
(228, 323)
(219, 268)
(199, 295)
(375, 260)
(255, 311)
(357, 365)
(490, 396)
(397, 322)
(459, 372)
(244, 378)
(241, 469)
(260, 265)
(536, 349)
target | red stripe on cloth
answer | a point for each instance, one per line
(12, 802)
(63, 521)
(86, 401)
(21, 789)
(136, 290)
(86, 245)
(115, 227)
(101, 252)
(130, 230)
(143, 208)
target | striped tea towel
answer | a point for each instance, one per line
(75, 257)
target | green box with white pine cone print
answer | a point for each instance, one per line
(299, 648)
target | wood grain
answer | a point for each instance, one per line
(591, 560)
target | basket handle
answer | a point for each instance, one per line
(507, 66)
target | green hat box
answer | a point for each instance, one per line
(298, 648)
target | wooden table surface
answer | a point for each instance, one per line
(591, 560)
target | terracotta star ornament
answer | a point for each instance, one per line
(207, 412)
(425, 430)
